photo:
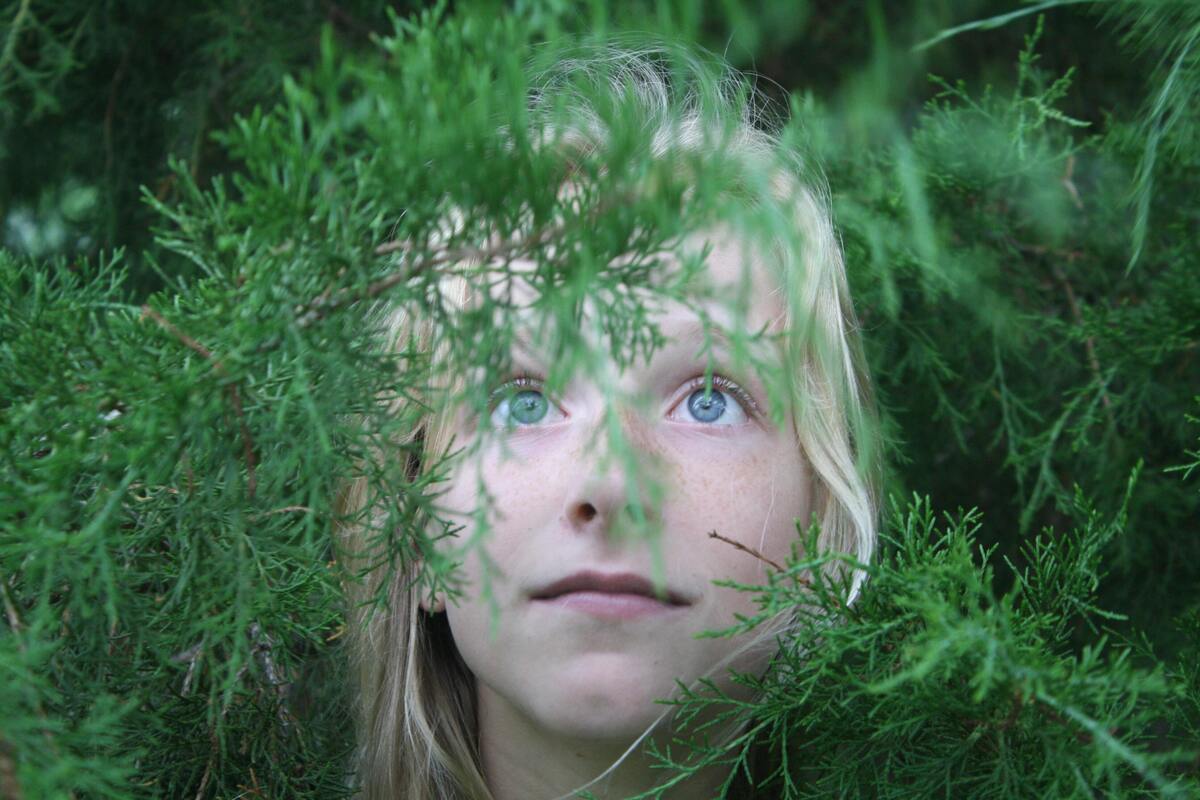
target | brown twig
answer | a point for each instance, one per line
(10, 788)
(191, 657)
(191, 343)
(264, 651)
(1089, 343)
(284, 510)
(235, 397)
(745, 549)
(213, 752)
(1068, 182)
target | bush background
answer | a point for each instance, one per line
(1017, 201)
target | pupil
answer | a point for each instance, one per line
(528, 407)
(706, 406)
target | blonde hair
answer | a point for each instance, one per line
(417, 715)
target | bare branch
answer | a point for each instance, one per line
(745, 549)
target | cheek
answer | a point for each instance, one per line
(751, 495)
(517, 491)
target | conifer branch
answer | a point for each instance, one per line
(235, 398)
(321, 306)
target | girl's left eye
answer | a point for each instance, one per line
(522, 404)
(722, 403)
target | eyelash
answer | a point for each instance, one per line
(520, 382)
(512, 386)
(749, 404)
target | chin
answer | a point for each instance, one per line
(604, 709)
(609, 725)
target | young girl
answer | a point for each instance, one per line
(750, 416)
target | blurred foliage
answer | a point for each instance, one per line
(1015, 186)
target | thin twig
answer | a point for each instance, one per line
(213, 751)
(284, 510)
(247, 443)
(10, 789)
(192, 657)
(1089, 342)
(10, 610)
(191, 343)
(1068, 182)
(745, 549)
(264, 651)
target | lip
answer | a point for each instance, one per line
(619, 596)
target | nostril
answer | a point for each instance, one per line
(585, 512)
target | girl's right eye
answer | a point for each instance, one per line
(522, 404)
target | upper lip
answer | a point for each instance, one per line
(609, 583)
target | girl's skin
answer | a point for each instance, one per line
(562, 692)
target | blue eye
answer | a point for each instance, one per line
(706, 406)
(721, 403)
(522, 404)
(528, 407)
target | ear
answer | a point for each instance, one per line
(435, 606)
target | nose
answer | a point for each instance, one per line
(614, 481)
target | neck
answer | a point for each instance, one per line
(523, 761)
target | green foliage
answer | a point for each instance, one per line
(176, 417)
(937, 682)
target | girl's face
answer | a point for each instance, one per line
(577, 649)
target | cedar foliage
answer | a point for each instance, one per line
(197, 205)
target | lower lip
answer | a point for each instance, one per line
(611, 606)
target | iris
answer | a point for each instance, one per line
(706, 406)
(528, 407)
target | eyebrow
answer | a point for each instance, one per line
(712, 336)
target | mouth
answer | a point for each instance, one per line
(612, 596)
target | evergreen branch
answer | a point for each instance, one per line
(1101, 735)
(235, 397)
(320, 308)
